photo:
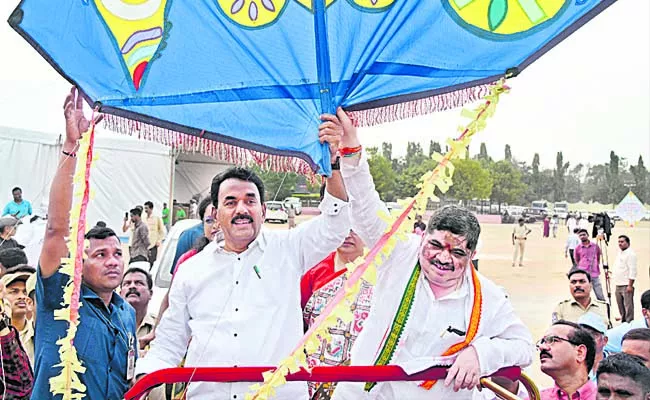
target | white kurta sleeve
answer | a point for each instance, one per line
(173, 333)
(504, 341)
(365, 203)
(632, 266)
(318, 237)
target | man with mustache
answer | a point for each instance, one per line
(16, 293)
(566, 354)
(137, 289)
(623, 377)
(105, 338)
(240, 303)
(429, 307)
(587, 256)
(581, 301)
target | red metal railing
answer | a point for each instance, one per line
(317, 374)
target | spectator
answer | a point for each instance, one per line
(291, 215)
(594, 324)
(10, 258)
(623, 276)
(17, 377)
(571, 223)
(165, 216)
(17, 208)
(14, 282)
(157, 231)
(194, 209)
(190, 236)
(566, 354)
(7, 231)
(581, 302)
(519, 236)
(615, 335)
(419, 227)
(587, 256)
(180, 212)
(105, 337)
(572, 241)
(623, 376)
(637, 343)
(139, 250)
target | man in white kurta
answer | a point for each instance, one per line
(240, 305)
(435, 322)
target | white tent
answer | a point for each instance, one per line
(127, 171)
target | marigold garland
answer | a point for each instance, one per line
(339, 306)
(67, 383)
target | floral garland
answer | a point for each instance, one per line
(67, 383)
(366, 267)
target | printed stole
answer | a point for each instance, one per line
(402, 315)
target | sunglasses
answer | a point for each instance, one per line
(551, 339)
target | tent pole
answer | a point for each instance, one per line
(172, 182)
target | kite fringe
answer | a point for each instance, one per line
(416, 108)
(217, 150)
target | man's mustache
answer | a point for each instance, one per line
(242, 216)
(132, 291)
(544, 353)
(578, 290)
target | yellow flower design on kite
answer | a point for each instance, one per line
(137, 26)
(256, 14)
(505, 17)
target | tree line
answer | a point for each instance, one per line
(510, 180)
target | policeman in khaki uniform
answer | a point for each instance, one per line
(581, 303)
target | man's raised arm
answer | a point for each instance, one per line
(58, 211)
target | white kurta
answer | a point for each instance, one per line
(235, 318)
(502, 339)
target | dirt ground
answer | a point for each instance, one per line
(536, 288)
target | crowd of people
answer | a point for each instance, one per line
(242, 295)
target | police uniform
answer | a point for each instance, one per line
(571, 310)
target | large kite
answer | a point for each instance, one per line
(258, 73)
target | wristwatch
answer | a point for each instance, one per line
(336, 165)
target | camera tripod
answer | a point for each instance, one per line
(604, 261)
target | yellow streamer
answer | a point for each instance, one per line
(67, 383)
(439, 178)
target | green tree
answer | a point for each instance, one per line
(411, 176)
(573, 184)
(414, 154)
(483, 154)
(434, 147)
(387, 150)
(508, 153)
(507, 185)
(383, 174)
(471, 181)
(559, 177)
(277, 185)
(640, 174)
(616, 187)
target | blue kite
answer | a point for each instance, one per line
(257, 74)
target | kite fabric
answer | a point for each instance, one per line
(258, 73)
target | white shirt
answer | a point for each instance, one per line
(572, 241)
(571, 224)
(503, 340)
(624, 267)
(235, 318)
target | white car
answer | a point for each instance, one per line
(295, 202)
(275, 211)
(161, 269)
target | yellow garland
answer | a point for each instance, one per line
(439, 178)
(68, 383)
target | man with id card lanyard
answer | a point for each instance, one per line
(105, 339)
(240, 304)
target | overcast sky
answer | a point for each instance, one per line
(589, 95)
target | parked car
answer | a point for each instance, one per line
(275, 211)
(295, 202)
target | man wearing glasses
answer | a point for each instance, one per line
(566, 354)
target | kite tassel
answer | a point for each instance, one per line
(416, 108)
